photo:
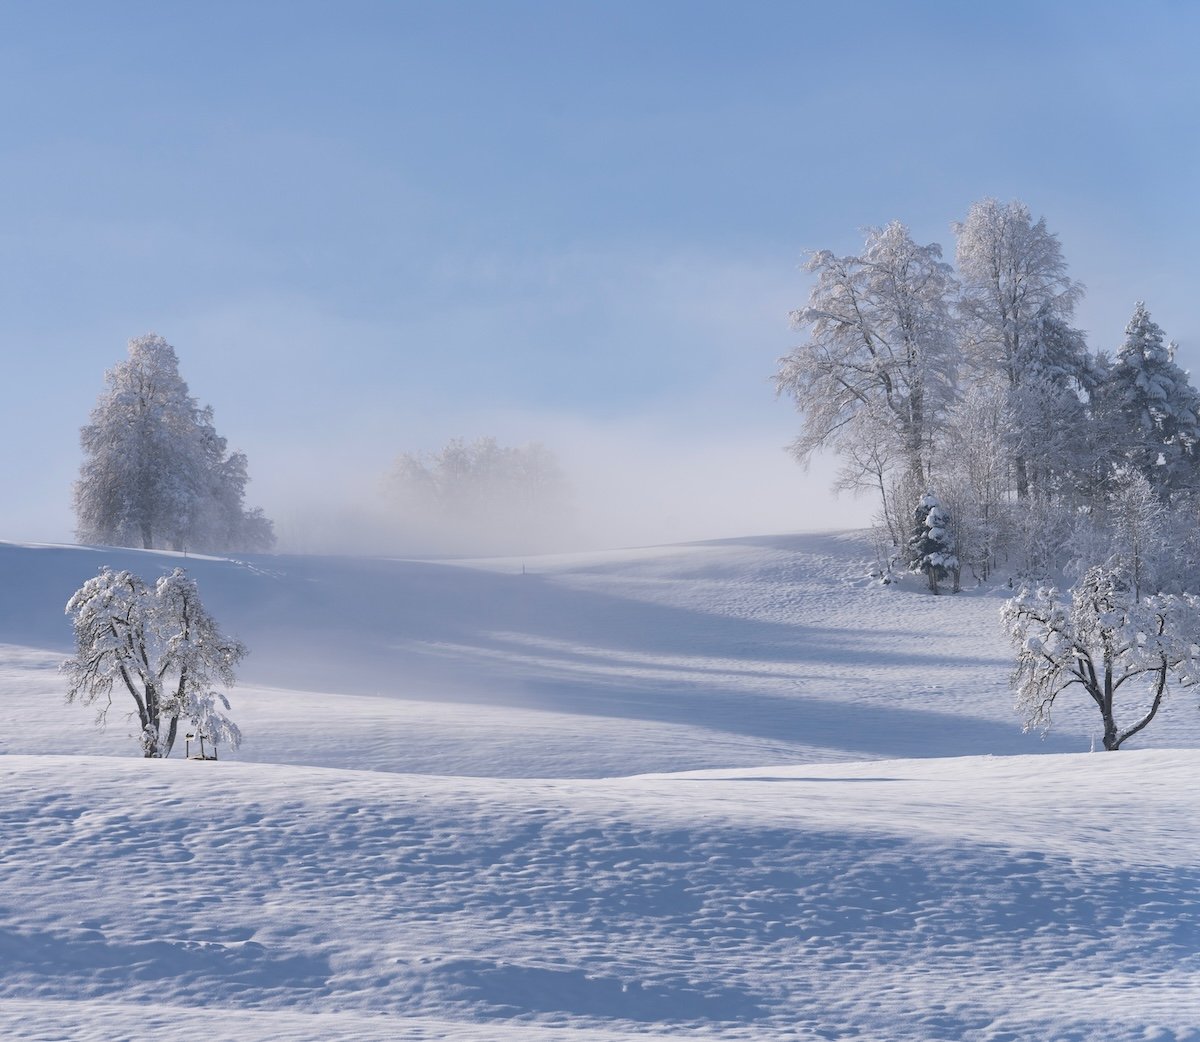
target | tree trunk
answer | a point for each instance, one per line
(1112, 738)
(1022, 477)
(147, 542)
(1160, 690)
(1112, 741)
(172, 730)
(150, 747)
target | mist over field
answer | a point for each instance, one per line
(626, 486)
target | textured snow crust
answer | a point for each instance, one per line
(715, 791)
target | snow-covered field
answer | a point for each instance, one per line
(723, 790)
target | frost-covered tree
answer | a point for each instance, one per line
(1017, 299)
(1152, 409)
(931, 547)
(1136, 525)
(1049, 433)
(978, 475)
(1040, 535)
(142, 453)
(163, 648)
(1105, 641)
(155, 472)
(1129, 532)
(877, 368)
(1016, 305)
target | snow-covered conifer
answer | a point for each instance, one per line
(163, 647)
(931, 548)
(1152, 409)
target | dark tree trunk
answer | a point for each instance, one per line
(151, 751)
(170, 740)
(1022, 477)
(1112, 740)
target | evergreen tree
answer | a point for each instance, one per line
(1151, 409)
(931, 548)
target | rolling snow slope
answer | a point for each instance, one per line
(709, 655)
(724, 790)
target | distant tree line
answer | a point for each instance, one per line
(156, 474)
(481, 496)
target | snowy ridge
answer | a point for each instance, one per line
(648, 794)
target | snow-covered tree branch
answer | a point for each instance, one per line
(975, 381)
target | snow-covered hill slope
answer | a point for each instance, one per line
(743, 652)
(725, 790)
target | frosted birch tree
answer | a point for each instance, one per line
(978, 475)
(1016, 305)
(877, 368)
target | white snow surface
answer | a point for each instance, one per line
(726, 790)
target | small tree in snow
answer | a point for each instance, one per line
(1104, 640)
(162, 646)
(931, 548)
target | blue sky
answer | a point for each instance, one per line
(370, 227)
